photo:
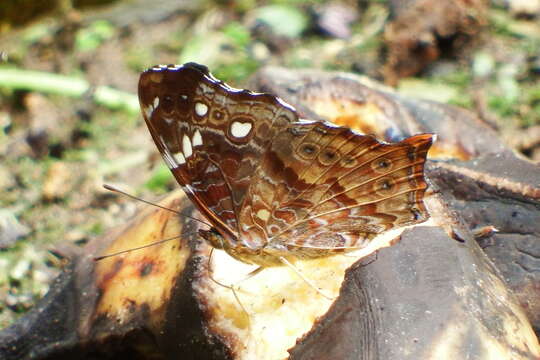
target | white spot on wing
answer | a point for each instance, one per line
(148, 110)
(156, 102)
(197, 138)
(263, 214)
(240, 130)
(201, 109)
(168, 120)
(320, 221)
(186, 146)
(159, 67)
(179, 157)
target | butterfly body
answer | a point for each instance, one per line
(273, 185)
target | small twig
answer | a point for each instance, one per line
(67, 86)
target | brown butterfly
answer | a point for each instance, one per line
(275, 187)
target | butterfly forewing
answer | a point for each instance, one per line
(210, 135)
(272, 185)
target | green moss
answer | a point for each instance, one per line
(503, 106)
(238, 33)
(96, 229)
(283, 19)
(463, 101)
(530, 109)
(92, 36)
(138, 59)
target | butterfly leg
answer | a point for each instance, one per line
(309, 282)
(247, 277)
(232, 286)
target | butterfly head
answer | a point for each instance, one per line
(213, 237)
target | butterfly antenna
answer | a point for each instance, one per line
(136, 248)
(114, 189)
(230, 287)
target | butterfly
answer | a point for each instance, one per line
(273, 186)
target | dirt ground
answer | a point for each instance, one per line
(69, 116)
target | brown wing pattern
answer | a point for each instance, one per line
(351, 188)
(269, 184)
(210, 135)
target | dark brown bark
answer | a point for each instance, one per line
(502, 191)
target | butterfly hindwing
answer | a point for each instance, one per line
(351, 187)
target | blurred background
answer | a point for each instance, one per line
(69, 115)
